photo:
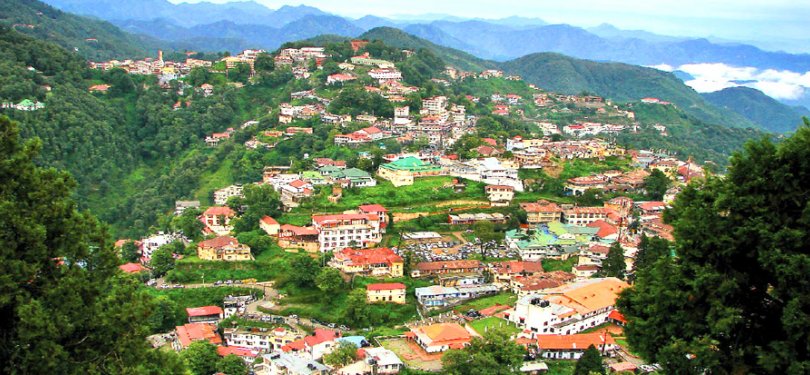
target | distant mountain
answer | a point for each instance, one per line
(400, 39)
(369, 22)
(759, 108)
(92, 39)
(236, 37)
(609, 31)
(617, 81)
(436, 35)
(187, 14)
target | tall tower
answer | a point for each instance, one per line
(160, 55)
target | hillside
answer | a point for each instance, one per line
(400, 39)
(95, 40)
(759, 108)
(620, 82)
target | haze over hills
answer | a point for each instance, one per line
(758, 107)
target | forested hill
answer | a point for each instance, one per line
(400, 39)
(759, 108)
(617, 81)
(92, 39)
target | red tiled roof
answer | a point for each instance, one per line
(372, 208)
(298, 184)
(605, 229)
(617, 316)
(218, 242)
(320, 219)
(132, 268)
(587, 267)
(452, 264)
(299, 231)
(516, 266)
(224, 351)
(541, 207)
(385, 286)
(269, 220)
(197, 331)
(573, 342)
(219, 211)
(362, 257)
(321, 336)
(204, 311)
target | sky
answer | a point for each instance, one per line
(780, 24)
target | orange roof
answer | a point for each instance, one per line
(445, 333)
(617, 316)
(197, 331)
(269, 220)
(299, 231)
(219, 210)
(224, 351)
(587, 295)
(320, 219)
(541, 207)
(516, 266)
(321, 336)
(218, 242)
(133, 268)
(363, 257)
(573, 342)
(369, 208)
(451, 265)
(385, 286)
(204, 311)
(605, 229)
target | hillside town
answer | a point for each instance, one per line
(502, 250)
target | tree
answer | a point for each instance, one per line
(66, 307)
(485, 231)
(164, 315)
(344, 354)
(261, 200)
(130, 252)
(232, 365)
(735, 299)
(201, 357)
(162, 260)
(494, 353)
(329, 281)
(589, 363)
(650, 249)
(656, 185)
(264, 63)
(357, 308)
(303, 270)
(188, 223)
(614, 265)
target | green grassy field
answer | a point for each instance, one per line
(559, 265)
(482, 303)
(483, 325)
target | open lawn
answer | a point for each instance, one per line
(269, 265)
(484, 302)
(428, 190)
(483, 325)
(559, 265)
(412, 355)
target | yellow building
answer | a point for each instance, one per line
(386, 293)
(402, 171)
(225, 248)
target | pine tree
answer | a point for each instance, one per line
(734, 300)
(614, 265)
(66, 307)
(589, 363)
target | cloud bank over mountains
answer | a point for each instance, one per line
(711, 77)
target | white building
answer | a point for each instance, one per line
(221, 196)
(152, 243)
(347, 230)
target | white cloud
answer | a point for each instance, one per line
(778, 84)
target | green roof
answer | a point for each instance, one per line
(411, 164)
(351, 173)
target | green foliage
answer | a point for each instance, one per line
(329, 281)
(162, 260)
(356, 101)
(614, 265)
(757, 107)
(188, 223)
(734, 300)
(590, 363)
(232, 365)
(304, 271)
(201, 357)
(130, 252)
(656, 185)
(66, 307)
(344, 354)
(261, 200)
(172, 303)
(494, 353)
(650, 249)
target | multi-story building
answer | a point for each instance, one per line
(262, 339)
(499, 195)
(371, 262)
(290, 364)
(424, 269)
(217, 220)
(568, 309)
(224, 248)
(542, 212)
(347, 230)
(402, 172)
(434, 105)
(386, 293)
(583, 215)
(221, 196)
(205, 314)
